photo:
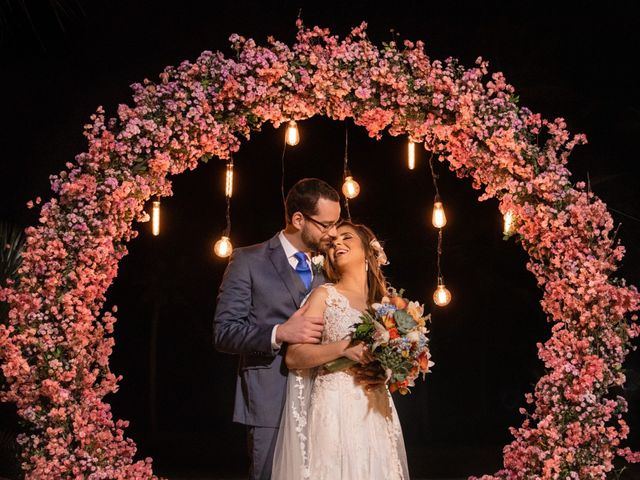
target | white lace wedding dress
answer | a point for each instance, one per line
(332, 428)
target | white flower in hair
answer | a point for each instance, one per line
(379, 251)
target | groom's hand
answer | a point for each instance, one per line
(300, 328)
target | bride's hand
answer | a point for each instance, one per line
(358, 352)
(369, 376)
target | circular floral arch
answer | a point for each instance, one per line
(56, 343)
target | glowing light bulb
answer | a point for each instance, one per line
(292, 137)
(442, 296)
(412, 155)
(155, 218)
(508, 223)
(438, 218)
(228, 189)
(223, 247)
(350, 187)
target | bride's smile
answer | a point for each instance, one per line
(346, 248)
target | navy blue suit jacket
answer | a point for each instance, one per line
(259, 290)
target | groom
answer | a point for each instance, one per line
(258, 311)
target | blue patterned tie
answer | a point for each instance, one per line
(303, 269)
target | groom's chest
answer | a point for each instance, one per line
(275, 281)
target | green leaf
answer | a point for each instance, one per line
(339, 364)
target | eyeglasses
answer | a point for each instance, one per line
(324, 227)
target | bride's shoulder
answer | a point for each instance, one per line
(317, 300)
(328, 290)
(321, 292)
(332, 297)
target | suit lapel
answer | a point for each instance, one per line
(290, 278)
(318, 279)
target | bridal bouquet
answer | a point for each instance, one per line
(395, 332)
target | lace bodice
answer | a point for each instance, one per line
(339, 316)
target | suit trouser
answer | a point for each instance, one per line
(262, 443)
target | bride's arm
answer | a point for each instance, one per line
(306, 355)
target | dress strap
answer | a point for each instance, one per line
(332, 290)
(335, 298)
(330, 287)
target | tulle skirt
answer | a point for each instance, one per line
(353, 434)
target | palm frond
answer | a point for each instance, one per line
(39, 17)
(9, 464)
(71, 9)
(11, 245)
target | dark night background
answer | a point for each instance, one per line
(66, 57)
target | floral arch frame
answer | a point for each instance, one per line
(55, 345)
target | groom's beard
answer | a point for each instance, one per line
(310, 242)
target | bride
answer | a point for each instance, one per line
(333, 428)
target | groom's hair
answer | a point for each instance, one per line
(304, 195)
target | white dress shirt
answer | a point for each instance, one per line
(289, 251)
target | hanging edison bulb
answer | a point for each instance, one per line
(412, 155)
(442, 296)
(508, 223)
(292, 137)
(350, 188)
(223, 247)
(438, 218)
(155, 218)
(228, 189)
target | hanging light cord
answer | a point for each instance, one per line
(345, 172)
(434, 177)
(284, 201)
(439, 254)
(227, 231)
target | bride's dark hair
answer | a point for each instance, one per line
(376, 283)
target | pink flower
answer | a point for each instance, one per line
(55, 347)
